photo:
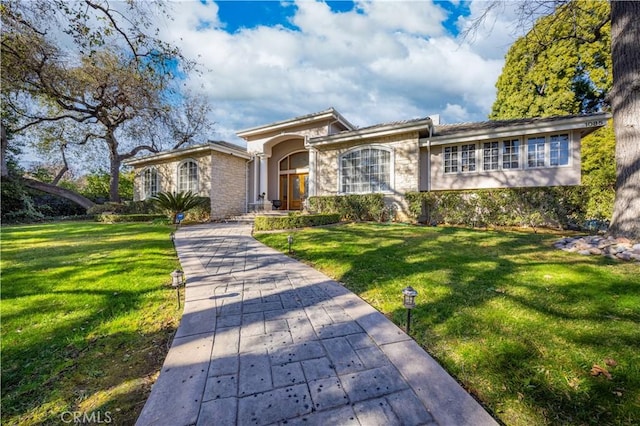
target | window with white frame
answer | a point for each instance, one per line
(150, 182)
(490, 156)
(451, 159)
(365, 170)
(188, 176)
(468, 158)
(535, 152)
(559, 150)
(508, 154)
(511, 154)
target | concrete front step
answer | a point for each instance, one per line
(250, 217)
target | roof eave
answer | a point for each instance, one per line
(165, 155)
(369, 133)
(330, 113)
(588, 123)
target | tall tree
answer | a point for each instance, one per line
(570, 75)
(625, 103)
(113, 78)
(624, 96)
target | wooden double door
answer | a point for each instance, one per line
(293, 190)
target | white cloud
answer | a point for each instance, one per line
(382, 62)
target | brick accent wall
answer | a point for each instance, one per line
(229, 189)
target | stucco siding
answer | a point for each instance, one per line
(505, 178)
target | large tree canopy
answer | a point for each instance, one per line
(559, 68)
(96, 77)
(572, 75)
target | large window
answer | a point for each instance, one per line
(188, 176)
(365, 170)
(150, 182)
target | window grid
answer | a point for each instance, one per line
(490, 156)
(188, 177)
(451, 159)
(535, 152)
(511, 154)
(365, 170)
(541, 151)
(150, 179)
(468, 158)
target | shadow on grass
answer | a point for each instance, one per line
(79, 319)
(517, 322)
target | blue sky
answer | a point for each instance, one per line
(250, 14)
(374, 61)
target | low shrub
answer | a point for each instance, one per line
(365, 207)
(534, 207)
(114, 218)
(270, 223)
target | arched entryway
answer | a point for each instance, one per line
(293, 171)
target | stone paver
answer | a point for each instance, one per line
(267, 340)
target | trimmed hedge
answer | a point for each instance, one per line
(365, 207)
(553, 206)
(270, 223)
(113, 218)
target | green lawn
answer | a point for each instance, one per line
(520, 324)
(86, 319)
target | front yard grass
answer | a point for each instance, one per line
(521, 325)
(86, 320)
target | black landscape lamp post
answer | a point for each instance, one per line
(177, 278)
(290, 241)
(409, 303)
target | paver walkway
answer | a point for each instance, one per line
(265, 339)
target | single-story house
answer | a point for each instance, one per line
(324, 154)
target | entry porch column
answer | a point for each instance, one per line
(264, 181)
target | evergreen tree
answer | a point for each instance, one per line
(558, 69)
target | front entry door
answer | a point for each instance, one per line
(297, 190)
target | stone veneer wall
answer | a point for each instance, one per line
(405, 175)
(168, 175)
(229, 189)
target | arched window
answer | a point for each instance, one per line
(150, 182)
(188, 176)
(365, 170)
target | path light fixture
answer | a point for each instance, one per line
(177, 278)
(409, 303)
(290, 241)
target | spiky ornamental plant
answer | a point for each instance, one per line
(175, 203)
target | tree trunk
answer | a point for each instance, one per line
(59, 191)
(3, 151)
(114, 181)
(625, 103)
(114, 166)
